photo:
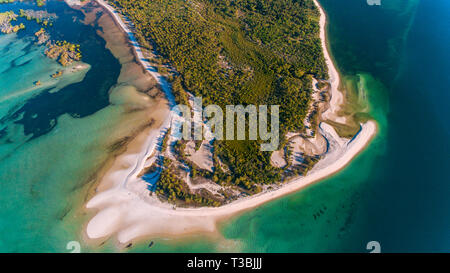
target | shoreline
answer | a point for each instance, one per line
(127, 211)
(337, 97)
(138, 51)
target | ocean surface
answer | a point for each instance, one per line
(394, 61)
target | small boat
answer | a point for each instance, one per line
(151, 244)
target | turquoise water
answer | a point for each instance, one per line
(53, 139)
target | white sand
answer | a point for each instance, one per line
(130, 212)
(308, 146)
(277, 159)
(203, 158)
(125, 208)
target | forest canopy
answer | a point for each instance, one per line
(237, 52)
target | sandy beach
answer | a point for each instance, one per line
(123, 204)
(337, 98)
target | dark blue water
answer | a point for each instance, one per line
(80, 99)
(406, 203)
(409, 204)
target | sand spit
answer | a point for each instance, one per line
(337, 98)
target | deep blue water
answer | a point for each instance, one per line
(411, 211)
(406, 204)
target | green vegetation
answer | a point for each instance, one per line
(66, 53)
(40, 16)
(5, 22)
(57, 74)
(41, 3)
(42, 36)
(176, 191)
(6, 1)
(237, 52)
